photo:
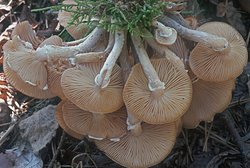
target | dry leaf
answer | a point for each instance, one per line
(39, 128)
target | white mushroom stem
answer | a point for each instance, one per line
(163, 34)
(103, 78)
(154, 83)
(163, 50)
(51, 51)
(75, 42)
(96, 56)
(133, 124)
(215, 42)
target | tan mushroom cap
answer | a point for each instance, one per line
(216, 66)
(144, 150)
(23, 61)
(79, 86)
(24, 87)
(98, 126)
(52, 40)
(209, 98)
(60, 120)
(168, 107)
(76, 31)
(26, 33)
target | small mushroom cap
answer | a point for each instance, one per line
(216, 66)
(26, 33)
(76, 31)
(147, 149)
(52, 40)
(168, 37)
(112, 125)
(24, 87)
(60, 120)
(79, 86)
(23, 61)
(170, 105)
(209, 98)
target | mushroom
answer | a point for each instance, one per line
(97, 87)
(24, 87)
(61, 122)
(23, 61)
(79, 86)
(164, 35)
(64, 18)
(26, 33)
(208, 99)
(95, 125)
(156, 99)
(144, 146)
(211, 65)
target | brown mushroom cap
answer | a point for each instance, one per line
(168, 107)
(60, 120)
(208, 99)
(210, 65)
(79, 86)
(52, 40)
(76, 31)
(24, 87)
(99, 126)
(144, 150)
(26, 33)
(23, 61)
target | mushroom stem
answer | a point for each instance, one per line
(154, 83)
(50, 51)
(167, 34)
(76, 42)
(103, 78)
(96, 56)
(133, 124)
(215, 42)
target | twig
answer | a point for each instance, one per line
(4, 136)
(51, 164)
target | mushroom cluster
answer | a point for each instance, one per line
(130, 93)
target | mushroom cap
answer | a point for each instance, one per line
(166, 108)
(61, 122)
(24, 87)
(147, 149)
(23, 61)
(99, 126)
(76, 31)
(26, 33)
(79, 86)
(52, 40)
(216, 66)
(209, 98)
(168, 37)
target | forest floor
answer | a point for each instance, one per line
(223, 143)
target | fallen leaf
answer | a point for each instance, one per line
(39, 128)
